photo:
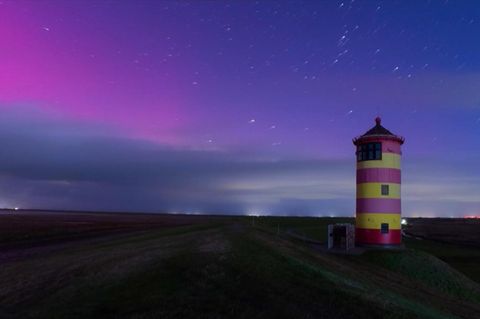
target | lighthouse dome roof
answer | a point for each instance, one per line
(378, 131)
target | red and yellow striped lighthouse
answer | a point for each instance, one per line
(378, 214)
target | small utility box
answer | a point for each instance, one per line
(341, 237)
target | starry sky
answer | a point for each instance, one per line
(235, 107)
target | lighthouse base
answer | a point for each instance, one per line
(398, 247)
(364, 236)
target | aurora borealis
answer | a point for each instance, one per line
(235, 106)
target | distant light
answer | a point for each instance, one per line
(404, 221)
(472, 216)
(253, 214)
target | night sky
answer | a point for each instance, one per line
(235, 106)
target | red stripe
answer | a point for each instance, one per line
(379, 175)
(391, 147)
(379, 205)
(375, 237)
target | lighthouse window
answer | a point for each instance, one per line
(385, 190)
(369, 152)
(384, 228)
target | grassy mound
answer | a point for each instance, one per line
(427, 269)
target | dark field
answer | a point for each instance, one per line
(85, 265)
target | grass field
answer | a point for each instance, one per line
(80, 265)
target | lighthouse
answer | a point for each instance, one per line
(378, 207)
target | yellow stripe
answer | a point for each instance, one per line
(374, 221)
(389, 160)
(374, 190)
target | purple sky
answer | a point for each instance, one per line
(235, 106)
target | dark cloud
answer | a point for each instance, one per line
(54, 163)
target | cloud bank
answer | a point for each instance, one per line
(55, 163)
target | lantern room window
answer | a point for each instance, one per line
(369, 152)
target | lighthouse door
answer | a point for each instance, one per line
(339, 236)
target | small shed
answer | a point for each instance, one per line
(341, 237)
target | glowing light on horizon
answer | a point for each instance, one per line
(254, 214)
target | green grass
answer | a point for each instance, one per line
(311, 227)
(463, 258)
(229, 268)
(252, 280)
(425, 268)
